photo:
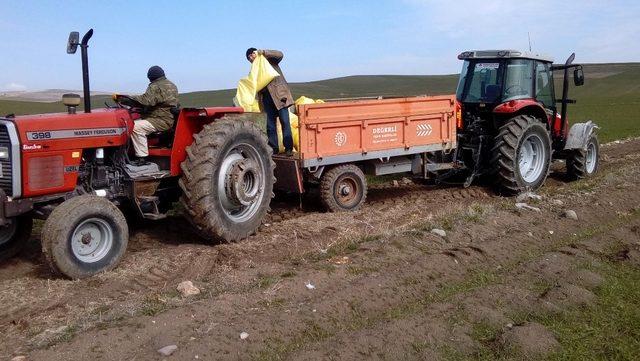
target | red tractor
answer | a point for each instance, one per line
(509, 127)
(73, 170)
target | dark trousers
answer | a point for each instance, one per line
(283, 115)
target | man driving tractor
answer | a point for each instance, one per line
(161, 95)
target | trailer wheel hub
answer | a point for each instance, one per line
(345, 189)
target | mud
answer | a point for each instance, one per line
(385, 287)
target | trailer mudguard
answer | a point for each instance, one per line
(579, 135)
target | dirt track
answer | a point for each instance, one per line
(386, 288)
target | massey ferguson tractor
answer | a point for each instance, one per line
(509, 127)
(73, 170)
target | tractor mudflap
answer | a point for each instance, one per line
(579, 135)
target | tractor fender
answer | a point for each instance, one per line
(522, 106)
(579, 135)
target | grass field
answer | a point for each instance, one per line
(610, 96)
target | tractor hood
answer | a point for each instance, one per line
(62, 131)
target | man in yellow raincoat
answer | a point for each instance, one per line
(275, 99)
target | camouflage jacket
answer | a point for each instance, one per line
(160, 97)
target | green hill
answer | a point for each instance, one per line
(610, 96)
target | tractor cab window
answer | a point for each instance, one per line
(544, 85)
(479, 82)
(518, 82)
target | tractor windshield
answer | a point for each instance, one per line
(479, 82)
(493, 81)
(518, 83)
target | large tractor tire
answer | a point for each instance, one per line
(584, 163)
(227, 180)
(343, 188)
(83, 236)
(14, 236)
(521, 155)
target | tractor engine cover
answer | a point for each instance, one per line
(52, 146)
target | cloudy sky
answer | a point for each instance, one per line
(201, 44)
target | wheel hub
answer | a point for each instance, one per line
(92, 240)
(242, 183)
(531, 159)
(591, 158)
(346, 191)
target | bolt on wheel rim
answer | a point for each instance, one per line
(7, 232)
(531, 158)
(591, 158)
(92, 240)
(241, 183)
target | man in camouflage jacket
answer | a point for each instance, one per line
(161, 95)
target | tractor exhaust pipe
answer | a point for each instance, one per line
(85, 70)
(72, 46)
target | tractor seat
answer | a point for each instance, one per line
(164, 138)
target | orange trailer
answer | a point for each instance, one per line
(341, 141)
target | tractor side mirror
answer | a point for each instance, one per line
(578, 76)
(74, 41)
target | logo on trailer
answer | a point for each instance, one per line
(340, 139)
(423, 130)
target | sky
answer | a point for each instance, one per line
(201, 44)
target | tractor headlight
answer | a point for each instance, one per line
(4, 153)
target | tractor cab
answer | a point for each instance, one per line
(509, 124)
(498, 83)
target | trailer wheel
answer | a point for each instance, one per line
(584, 163)
(227, 180)
(83, 236)
(14, 236)
(521, 155)
(343, 188)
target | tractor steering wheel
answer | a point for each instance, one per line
(131, 108)
(520, 89)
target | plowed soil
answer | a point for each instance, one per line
(374, 284)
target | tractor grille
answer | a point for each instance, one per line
(7, 169)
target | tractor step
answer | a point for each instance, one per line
(148, 206)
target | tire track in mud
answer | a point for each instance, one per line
(379, 197)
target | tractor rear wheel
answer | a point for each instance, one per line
(521, 155)
(83, 236)
(343, 188)
(227, 180)
(14, 236)
(584, 163)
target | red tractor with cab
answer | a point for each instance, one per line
(73, 170)
(509, 126)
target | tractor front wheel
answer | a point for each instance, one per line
(83, 236)
(227, 179)
(521, 155)
(14, 236)
(584, 163)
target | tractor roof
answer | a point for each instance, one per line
(502, 54)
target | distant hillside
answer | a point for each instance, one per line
(46, 96)
(610, 96)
